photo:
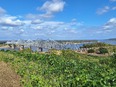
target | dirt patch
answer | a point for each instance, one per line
(8, 78)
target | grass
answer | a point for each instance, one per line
(69, 69)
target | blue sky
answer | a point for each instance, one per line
(57, 19)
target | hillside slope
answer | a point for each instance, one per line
(8, 78)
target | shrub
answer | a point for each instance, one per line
(114, 50)
(103, 50)
(113, 60)
(91, 51)
(27, 50)
(95, 45)
(2, 50)
(7, 50)
(69, 54)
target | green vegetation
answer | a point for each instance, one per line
(95, 45)
(100, 48)
(91, 51)
(113, 59)
(114, 50)
(75, 41)
(103, 50)
(2, 43)
(69, 69)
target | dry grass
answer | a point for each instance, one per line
(8, 78)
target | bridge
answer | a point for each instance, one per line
(39, 44)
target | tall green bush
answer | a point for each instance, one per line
(91, 51)
(103, 50)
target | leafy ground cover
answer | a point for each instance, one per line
(69, 69)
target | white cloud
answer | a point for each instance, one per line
(56, 26)
(113, 0)
(53, 6)
(4, 28)
(37, 21)
(12, 21)
(49, 8)
(56, 29)
(47, 25)
(2, 11)
(33, 29)
(39, 16)
(112, 20)
(103, 10)
(27, 22)
(114, 8)
(111, 24)
(36, 26)
(46, 15)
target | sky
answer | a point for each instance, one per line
(57, 19)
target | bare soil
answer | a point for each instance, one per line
(8, 78)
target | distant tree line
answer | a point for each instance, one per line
(95, 45)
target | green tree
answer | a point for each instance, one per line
(114, 50)
(103, 50)
(91, 51)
